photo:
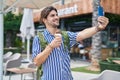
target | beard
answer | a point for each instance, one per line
(55, 26)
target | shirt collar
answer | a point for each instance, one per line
(46, 32)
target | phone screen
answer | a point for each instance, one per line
(100, 11)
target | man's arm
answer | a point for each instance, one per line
(86, 33)
(41, 57)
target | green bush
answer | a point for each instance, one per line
(13, 49)
(109, 64)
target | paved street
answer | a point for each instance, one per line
(81, 75)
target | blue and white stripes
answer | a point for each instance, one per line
(57, 65)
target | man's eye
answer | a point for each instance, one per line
(52, 15)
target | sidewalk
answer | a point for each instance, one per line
(78, 63)
(76, 75)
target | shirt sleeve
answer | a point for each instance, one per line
(72, 37)
(36, 48)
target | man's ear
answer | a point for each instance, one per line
(44, 20)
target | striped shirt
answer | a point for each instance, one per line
(57, 65)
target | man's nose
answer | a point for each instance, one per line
(57, 17)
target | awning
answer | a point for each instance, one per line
(29, 3)
(34, 4)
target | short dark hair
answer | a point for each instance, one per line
(45, 12)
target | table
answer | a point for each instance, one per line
(116, 61)
(21, 71)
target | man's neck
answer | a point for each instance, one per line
(52, 30)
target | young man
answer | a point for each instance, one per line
(55, 60)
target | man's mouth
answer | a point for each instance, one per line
(56, 20)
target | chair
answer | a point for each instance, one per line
(6, 56)
(30, 76)
(13, 61)
(108, 75)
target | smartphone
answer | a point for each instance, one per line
(100, 11)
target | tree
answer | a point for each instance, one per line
(11, 27)
(96, 40)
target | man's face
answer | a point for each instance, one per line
(52, 19)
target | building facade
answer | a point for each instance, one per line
(76, 15)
